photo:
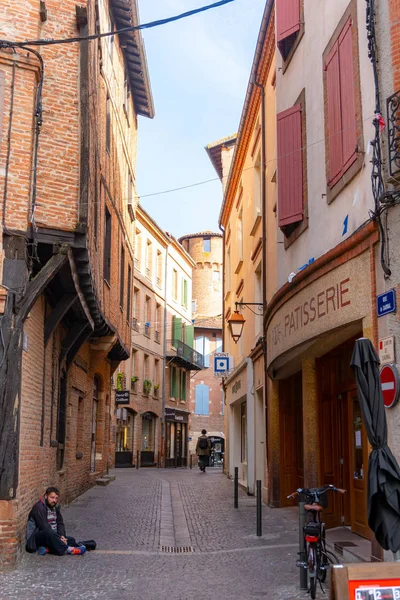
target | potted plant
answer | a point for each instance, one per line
(120, 381)
(156, 387)
(147, 385)
(134, 379)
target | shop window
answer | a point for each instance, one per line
(202, 399)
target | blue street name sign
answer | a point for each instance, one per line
(386, 303)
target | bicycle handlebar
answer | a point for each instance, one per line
(316, 491)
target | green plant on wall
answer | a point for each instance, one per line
(147, 385)
(156, 387)
(134, 378)
(120, 381)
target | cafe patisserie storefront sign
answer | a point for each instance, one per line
(341, 296)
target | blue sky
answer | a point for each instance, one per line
(199, 69)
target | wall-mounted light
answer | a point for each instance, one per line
(237, 321)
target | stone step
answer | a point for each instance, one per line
(102, 481)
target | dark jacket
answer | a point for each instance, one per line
(206, 451)
(37, 521)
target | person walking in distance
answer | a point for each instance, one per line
(203, 450)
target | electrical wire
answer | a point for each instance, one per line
(271, 160)
(150, 25)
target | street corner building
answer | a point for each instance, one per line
(68, 134)
(310, 221)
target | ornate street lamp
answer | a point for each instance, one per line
(236, 324)
(237, 321)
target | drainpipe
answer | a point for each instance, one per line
(226, 417)
(163, 428)
(264, 256)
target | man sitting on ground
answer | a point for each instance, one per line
(45, 531)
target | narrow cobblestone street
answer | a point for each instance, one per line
(140, 512)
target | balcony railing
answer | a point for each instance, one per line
(185, 355)
(393, 110)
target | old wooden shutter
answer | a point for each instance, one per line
(287, 19)
(174, 383)
(176, 328)
(334, 115)
(290, 166)
(190, 335)
(183, 386)
(347, 101)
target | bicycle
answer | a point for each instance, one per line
(318, 558)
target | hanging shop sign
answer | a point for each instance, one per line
(386, 303)
(176, 415)
(390, 385)
(122, 397)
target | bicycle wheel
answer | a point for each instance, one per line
(312, 570)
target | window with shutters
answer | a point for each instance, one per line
(202, 399)
(182, 390)
(343, 125)
(174, 385)
(289, 26)
(107, 245)
(292, 171)
(122, 278)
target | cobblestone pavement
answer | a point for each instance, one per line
(133, 517)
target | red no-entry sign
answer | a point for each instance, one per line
(390, 385)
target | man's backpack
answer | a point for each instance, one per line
(203, 443)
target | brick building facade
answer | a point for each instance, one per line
(66, 245)
(206, 396)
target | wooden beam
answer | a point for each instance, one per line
(35, 287)
(57, 314)
(75, 278)
(80, 340)
(71, 337)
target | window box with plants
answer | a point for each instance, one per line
(147, 385)
(134, 379)
(156, 389)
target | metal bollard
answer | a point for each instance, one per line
(137, 459)
(191, 461)
(259, 509)
(236, 488)
(302, 557)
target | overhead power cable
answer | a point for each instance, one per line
(150, 25)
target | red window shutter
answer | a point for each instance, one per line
(290, 167)
(2, 88)
(347, 101)
(334, 115)
(287, 18)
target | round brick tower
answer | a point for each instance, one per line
(206, 250)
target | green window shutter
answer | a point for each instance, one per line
(176, 328)
(183, 386)
(190, 335)
(174, 383)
